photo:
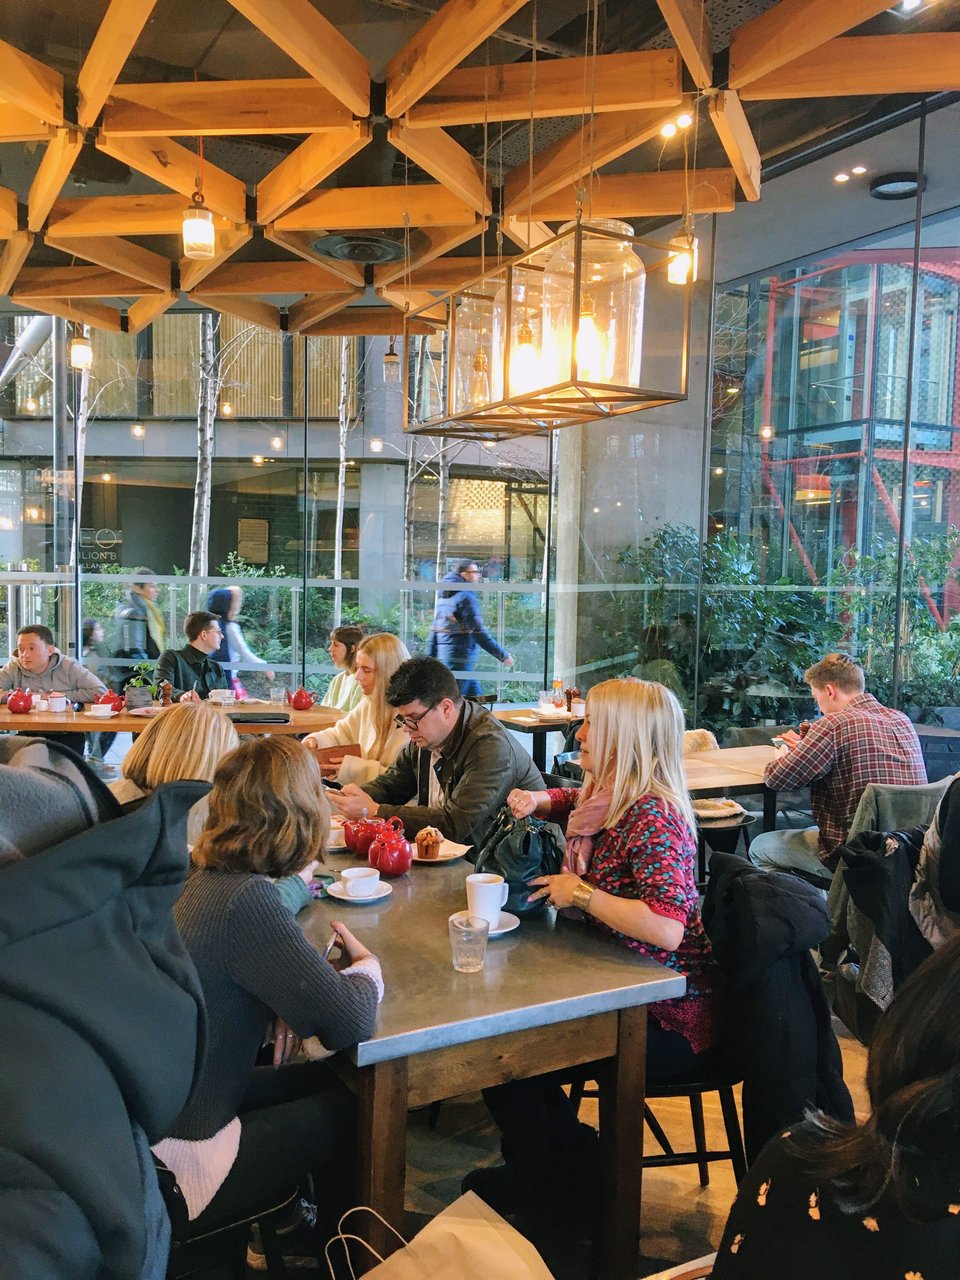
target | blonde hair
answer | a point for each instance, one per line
(267, 810)
(187, 740)
(636, 747)
(386, 653)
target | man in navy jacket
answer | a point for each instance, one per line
(458, 631)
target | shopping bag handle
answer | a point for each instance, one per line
(343, 1237)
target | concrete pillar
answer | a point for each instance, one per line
(567, 523)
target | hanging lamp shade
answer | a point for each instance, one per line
(80, 352)
(586, 326)
(199, 235)
(684, 256)
(391, 364)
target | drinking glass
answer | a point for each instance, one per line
(545, 700)
(468, 941)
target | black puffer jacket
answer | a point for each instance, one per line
(776, 1025)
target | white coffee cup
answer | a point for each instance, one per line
(360, 882)
(486, 896)
(57, 702)
(103, 709)
(223, 696)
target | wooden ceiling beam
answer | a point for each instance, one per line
(357, 208)
(528, 234)
(13, 257)
(445, 39)
(790, 29)
(58, 159)
(439, 240)
(315, 307)
(301, 243)
(91, 313)
(315, 44)
(193, 270)
(647, 195)
(572, 157)
(30, 85)
(688, 24)
(736, 138)
(122, 216)
(255, 310)
(850, 66)
(624, 82)
(222, 108)
(444, 159)
(306, 167)
(446, 274)
(77, 282)
(177, 167)
(118, 32)
(365, 321)
(118, 255)
(17, 125)
(8, 212)
(147, 309)
(267, 278)
(409, 299)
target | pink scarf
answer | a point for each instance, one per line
(584, 823)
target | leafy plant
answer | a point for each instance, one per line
(144, 677)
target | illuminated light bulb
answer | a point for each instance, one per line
(106, 477)
(767, 431)
(668, 130)
(30, 405)
(525, 373)
(590, 348)
(199, 236)
(376, 445)
(479, 389)
(718, 471)
(683, 258)
(684, 119)
(841, 177)
(489, 444)
(596, 511)
(138, 431)
(911, 6)
(859, 169)
(33, 513)
(226, 409)
(81, 353)
(276, 443)
(258, 459)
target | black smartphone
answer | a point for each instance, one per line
(332, 784)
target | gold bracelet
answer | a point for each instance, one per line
(582, 895)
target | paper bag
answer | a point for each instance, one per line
(699, 1269)
(466, 1241)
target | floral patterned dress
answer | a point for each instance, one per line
(650, 856)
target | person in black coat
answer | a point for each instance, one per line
(458, 632)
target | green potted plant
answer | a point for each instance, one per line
(141, 689)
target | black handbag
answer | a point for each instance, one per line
(519, 849)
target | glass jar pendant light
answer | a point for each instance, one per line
(199, 236)
(391, 363)
(80, 352)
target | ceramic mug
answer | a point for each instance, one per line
(57, 702)
(360, 882)
(102, 710)
(486, 896)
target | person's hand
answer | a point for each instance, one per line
(306, 874)
(509, 662)
(522, 803)
(790, 737)
(352, 803)
(558, 890)
(286, 1042)
(351, 948)
(311, 743)
(190, 696)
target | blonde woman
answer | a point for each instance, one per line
(371, 723)
(629, 871)
(344, 692)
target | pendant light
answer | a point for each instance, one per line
(80, 351)
(391, 363)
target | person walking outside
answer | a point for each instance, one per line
(458, 630)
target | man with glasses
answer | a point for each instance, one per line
(191, 670)
(458, 767)
(458, 632)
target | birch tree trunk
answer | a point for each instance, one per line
(208, 392)
(83, 416)
(343, 420)
(443, 475)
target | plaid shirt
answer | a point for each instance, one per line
(840, 754)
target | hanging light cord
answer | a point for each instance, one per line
(530, 126)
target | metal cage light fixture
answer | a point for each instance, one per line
(584, 327)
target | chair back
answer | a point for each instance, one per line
(565, 766)
(885, 807)
(761, 735)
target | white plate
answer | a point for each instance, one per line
(336, 890)
(506, 924)
(93, 717)
(449, 850)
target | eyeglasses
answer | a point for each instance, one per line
(413, 722)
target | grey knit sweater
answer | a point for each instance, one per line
(254, 962)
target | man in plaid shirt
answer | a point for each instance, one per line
(856, 741)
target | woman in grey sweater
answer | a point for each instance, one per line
(249, 1132)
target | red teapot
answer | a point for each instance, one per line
(359, 835)
(391, 853)
(303, 699)
(20, 701)
(111, 699)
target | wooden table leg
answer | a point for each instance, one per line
(622, 1095)
(382, 1142)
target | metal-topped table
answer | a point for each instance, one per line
(440, 1033)
(537, 723)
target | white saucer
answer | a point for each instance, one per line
(336, 890)
(448, 851)
(93, 717)
(506, 924)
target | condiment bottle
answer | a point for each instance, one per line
(166, 693)
(558, 692)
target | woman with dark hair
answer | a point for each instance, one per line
(881, 1198)
(344, 692)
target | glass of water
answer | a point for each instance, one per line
(468, 941)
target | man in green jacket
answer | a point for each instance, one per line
(458, 767)
(190, 670)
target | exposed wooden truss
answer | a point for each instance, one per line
(646, 195)
(790, 29)
(222, 108)
(853, 65)
(357, 208)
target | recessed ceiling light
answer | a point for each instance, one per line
(859, 169)
(684, 119)
(668, 130)
(841, 177)
(897, 186)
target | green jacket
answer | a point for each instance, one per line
(480, 765)
(187, 668)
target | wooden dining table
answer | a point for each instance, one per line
(733, 771)
(552, 994)
(538, 724)
(317, 717)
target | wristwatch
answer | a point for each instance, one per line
(582, 895)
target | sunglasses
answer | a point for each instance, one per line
(412, 722)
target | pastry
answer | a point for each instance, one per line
(428, 842)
